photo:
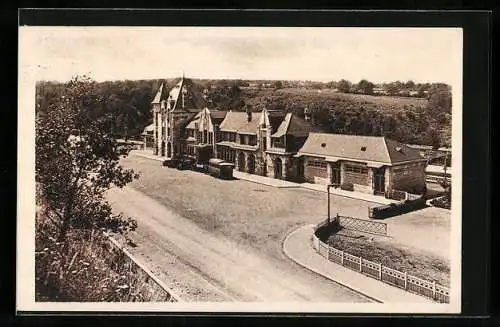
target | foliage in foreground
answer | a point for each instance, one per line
(77, 161)
(80, 268)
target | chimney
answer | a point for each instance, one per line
(249, 113)
(306, 114)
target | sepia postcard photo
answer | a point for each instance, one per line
(239, 169)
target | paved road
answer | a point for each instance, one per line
(215, 268)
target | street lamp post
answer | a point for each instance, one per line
(328, 191)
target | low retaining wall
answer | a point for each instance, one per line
(376, 270)
(395, 209)
(151, 289)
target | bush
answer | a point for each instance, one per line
(81, 268)
(442, 202)
(395, 195)
(347, 187)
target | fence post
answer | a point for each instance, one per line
(406, 280)
(434, 290)
(342, 257)
(380, 271)
(360, 266)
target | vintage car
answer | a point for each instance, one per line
(220, 168)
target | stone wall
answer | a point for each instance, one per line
(317, 175)
(366, 186)
(149, 287)
(408, 177)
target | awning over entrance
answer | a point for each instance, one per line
(374, 165)
(202, 145)
(332, 159)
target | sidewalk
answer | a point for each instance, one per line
(297, 246)
(348, 194)
(286, 184)
(147, 154)
(264, 180)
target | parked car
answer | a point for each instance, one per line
(171, 162)
(220, 168)
(186, 163)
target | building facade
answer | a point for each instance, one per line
(172, 111)
(202, 134)
(280, 145)
(371, 164)
(263, 143)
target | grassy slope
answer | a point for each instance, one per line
(382, 100)
(303, 96)
(417, 263)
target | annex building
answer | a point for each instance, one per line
(372, 164)
(279, 145)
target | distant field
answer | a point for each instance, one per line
(383, 100)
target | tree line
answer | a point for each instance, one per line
(128, 103)
(428, 124)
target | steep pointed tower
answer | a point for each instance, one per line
(158, 120)
(178, 106)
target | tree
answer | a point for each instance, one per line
(331, 85)
(278, 85)
(410, 85)
(77, 160)
(439, 99)
(344, 86)
(365, 86)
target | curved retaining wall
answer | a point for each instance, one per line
(376, 270)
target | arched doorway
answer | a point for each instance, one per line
(241, 161)
(278, 168)
(251, 164)
(169, 150)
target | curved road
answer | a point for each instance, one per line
(208, 267)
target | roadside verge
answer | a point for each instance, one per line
(297, 246)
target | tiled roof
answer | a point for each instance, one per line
(362, 148)
(236, 121)
(293, 125)
(216, 116)
(193, 100)
(149, 128)
(160, 95)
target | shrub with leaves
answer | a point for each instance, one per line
(80, 268)
(77, 160)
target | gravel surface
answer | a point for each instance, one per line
(253, 218)
(203, 266)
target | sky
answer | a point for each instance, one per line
(274, 53)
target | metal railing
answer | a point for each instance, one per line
(432, 290)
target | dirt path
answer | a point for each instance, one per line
(205, 267)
